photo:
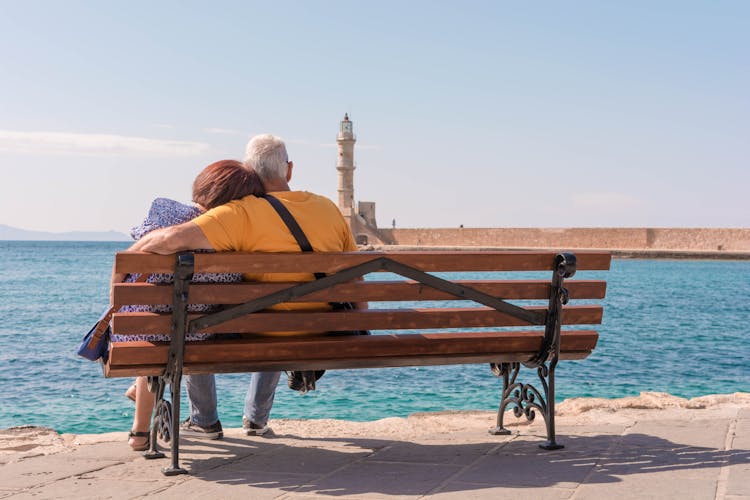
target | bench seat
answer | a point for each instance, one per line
(317, 353)
(426, 308)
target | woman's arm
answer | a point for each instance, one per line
(168, 240)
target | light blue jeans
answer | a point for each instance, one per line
(201, 391)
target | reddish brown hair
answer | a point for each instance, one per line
(224, 181)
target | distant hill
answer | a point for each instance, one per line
(14, 233)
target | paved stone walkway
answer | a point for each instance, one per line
(629, 453)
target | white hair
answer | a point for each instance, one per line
(266, 154)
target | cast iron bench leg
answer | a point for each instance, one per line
(175, 468)
(183, 273)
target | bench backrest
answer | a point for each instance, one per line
(493, 287)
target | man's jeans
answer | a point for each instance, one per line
(201, 391)
(259, 397)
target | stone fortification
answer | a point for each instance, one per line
(713, 240)
(659, 242)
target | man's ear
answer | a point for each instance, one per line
(290, 166)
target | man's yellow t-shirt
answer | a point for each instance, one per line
(253, 225)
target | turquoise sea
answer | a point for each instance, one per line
(677, 326)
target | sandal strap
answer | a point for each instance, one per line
(139, 434)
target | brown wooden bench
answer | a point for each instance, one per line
(530, 310)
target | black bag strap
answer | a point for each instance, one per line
(304, 244)
(294, 228)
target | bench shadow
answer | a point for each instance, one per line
(361, 466)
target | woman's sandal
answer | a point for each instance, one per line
(130, 393)
(143, 446)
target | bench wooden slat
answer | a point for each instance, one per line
(372, 319)
(144, 358)
(231, 367)
(138, 262)
(364, 291)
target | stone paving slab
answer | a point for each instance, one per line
(737, 478)
(673, 452)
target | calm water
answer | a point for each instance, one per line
(669, 325)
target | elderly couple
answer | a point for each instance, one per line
(232, 216)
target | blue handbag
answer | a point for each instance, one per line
(95, 344)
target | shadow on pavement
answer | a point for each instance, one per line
(353, 466)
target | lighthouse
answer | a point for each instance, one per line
(345, 166)
(360, 217)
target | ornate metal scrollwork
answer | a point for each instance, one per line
(524, 399)
(163, 420)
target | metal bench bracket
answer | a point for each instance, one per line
(378, 264)
(525, 399)
(166, 419)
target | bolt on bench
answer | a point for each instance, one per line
(531, 312)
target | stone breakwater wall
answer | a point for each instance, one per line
(713, 240)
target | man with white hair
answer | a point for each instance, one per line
(252, 225)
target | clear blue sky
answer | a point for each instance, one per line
(530, 114)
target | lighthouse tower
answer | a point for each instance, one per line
(361, 219)
(345, 166)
